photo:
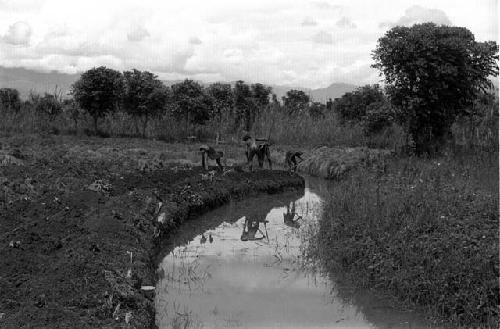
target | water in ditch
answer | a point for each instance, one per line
(241, 266)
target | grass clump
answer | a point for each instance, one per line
(424, 230)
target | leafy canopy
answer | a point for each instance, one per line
(191, 102)
(433, 73)
(99, 91)
(353, 106)
(145, 94)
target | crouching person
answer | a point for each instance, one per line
(208, 152)
(291, 160)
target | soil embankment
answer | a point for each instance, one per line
(81, 220)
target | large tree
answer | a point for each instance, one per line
(99, 91)
(433, 73)
(145, 96)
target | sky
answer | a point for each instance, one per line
(297, 43)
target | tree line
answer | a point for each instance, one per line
(433, 76)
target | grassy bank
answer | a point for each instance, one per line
(423, 230)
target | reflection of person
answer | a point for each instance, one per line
(250, 229)
(289, 217)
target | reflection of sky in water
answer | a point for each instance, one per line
(231, 283)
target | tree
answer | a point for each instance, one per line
(243, 104)
(222, 101)
(9, 100)
(99, 91)
(261, 94)
(295, 101)
(145, 96)
(191, 102)
(432, 74)
(249, 101)
(317, 110)
(352, 106)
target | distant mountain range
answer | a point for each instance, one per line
(26, 80)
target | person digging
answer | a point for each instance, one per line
(208, 152)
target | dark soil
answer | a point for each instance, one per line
(80, 226)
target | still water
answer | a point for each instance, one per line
(242, 266)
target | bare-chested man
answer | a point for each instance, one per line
(261, 150)
(208, 152)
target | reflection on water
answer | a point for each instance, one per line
(243, 269)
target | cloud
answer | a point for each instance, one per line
(18, 34)
(326, 5)
(323, 37)
(418, 14)
(139, 33)
(274, 42)
(309, 21)
(345, 23)
(195, 41)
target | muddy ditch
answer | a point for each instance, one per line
(215, 273)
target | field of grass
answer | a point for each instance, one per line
(423, 230)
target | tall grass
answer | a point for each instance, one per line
(424, 230)
(272, 122)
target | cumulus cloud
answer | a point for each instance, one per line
(323, 37)
(418, 14)
(195, 41)
(138, 33)
(18, 34)
(278, 42)
(309, 21)
(345, 23)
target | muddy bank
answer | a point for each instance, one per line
(80, 224)
(335, 162)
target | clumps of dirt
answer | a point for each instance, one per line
(80, 229)
(334, 163)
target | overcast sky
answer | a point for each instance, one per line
(301, 43)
